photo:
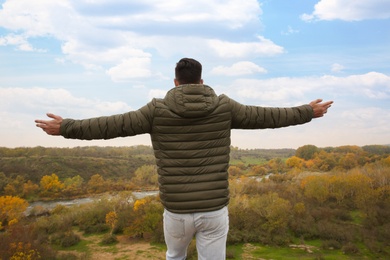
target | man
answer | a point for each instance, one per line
(190, 132)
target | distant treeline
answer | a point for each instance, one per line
(32, 163)
(110, 162)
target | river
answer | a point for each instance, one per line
(49, 205)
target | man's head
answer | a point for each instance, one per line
(188, 71)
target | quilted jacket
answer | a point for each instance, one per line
(190, 132)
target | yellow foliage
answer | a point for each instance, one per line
(11, 209)
(299, 208)
(51, 183)
(111, 219)
(138, 204)
(23, 251)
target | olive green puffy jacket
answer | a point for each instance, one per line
(190, 131)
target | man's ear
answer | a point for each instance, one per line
(201, 81)
(176, 82)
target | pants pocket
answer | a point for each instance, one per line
(173, 225)
(214, 226)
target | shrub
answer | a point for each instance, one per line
(350, 249)
(65, 239)
(109, 239)
(331, 244)
(95, 228)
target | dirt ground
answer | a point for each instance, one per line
(125, 249)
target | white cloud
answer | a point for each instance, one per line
(130, 68)
(264, 47)
(337, 68)
(349, 10)
(371, 85)
(157, 93)
(109, 35)
(230, 13)
(238, 69)
(18, 40)
(289, 31)
(40, 100)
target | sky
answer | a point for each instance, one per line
(88, 58)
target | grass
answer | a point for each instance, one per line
(258, 251)
(247, 160)
(357, 217)
(82, 247)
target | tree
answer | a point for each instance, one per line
(146, 175)
(316, 187)
(15, 186)
(147, 216)
(234, 171)
(3, 181)
(96, 184)
(349, 161)
(111, 220)
(306, 152)
(257, 170)
(338, 188)
(30, 189)
(73, 186)
(51, 185)
(295, 162)
(11, 209)
(276, 165)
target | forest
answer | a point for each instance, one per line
(330, 203)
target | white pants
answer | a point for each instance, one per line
(210, 229)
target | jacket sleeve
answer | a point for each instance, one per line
(107, 127)
(255, 117)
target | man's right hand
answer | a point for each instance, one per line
(51, 127)
(320, 108)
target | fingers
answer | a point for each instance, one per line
(53, 116)
(320, 108)
(52, 126)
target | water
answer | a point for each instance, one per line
(49, 205)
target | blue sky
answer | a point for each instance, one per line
(86, 58)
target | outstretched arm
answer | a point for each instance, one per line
(320, 108)
(51, 127)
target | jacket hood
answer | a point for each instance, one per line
(191, 100)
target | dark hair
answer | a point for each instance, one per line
(188, 71)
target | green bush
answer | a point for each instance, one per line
(65, 239)
(350, 249)
(109, 239)
(331, 244)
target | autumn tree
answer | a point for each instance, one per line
(51, 185)
(306, 152)
(316, 187)
(147, 216)
(96, 184)
(348, 161)
(234, 171)
(3, 181)
(73, 186)
(11, 210)
(324, 161)
(30, 189)
(276, 165)
(146, 175)
(257, 170)
(111, 220)
(276, 212)
(23, 251)
(295, 162)
(15, 186)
